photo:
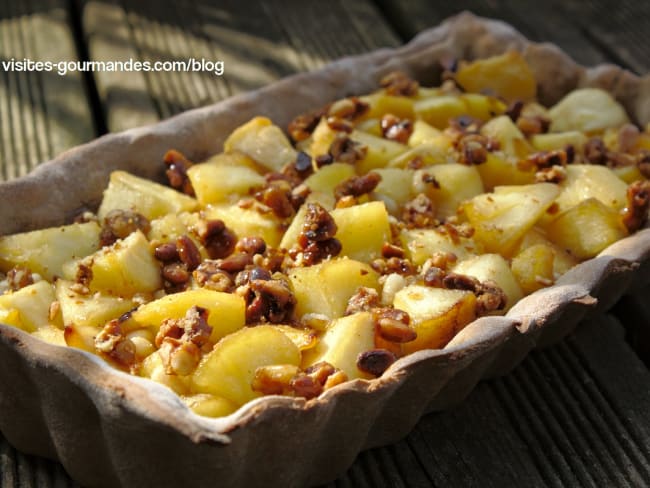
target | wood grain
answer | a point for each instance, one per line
(41, 113)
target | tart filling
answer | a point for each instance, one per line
(382, 225)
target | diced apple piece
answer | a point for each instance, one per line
(209, 405)
(379, 151)
(562, 260)
(507, 75)
(381, 104)
(511, 140)
(153, 368)
(394, 189)
(325, 288)
(587, 110)
(494, 268)
(50, 334)
(437, 111)
(421, 244)
(342, 342)
(533, 267)
(497, 171)
(45, 251)
(456, 182)
(171, 226)
(628, 174)
(129, 192)
(248, 222)
(591, 181)
(325, 179)
(362, 230)
(32, 304)
(11, 316)
(426, 133)
(123, 269)
(228, 370)
(92, 310)
(262, 141)
(233, 158)
(483, 107)
(226, 311)
(436, 314)
(220, 183)
(371, 126)
(501, 219)
(303, 338)
(559, 140)
(586, 229)
(321, 139)
(427, 153)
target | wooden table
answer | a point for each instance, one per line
(575, 414)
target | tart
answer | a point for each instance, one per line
(381, 256)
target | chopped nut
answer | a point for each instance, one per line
(375, 361)
(218, 240)
(389, 250)
(340, 125)
(393, 325)
(399, 83)
(635, 214)
(345, 150)
(112, 343)
(357, 185)
(473, 149)
(595, 151)
(543, 160)
(54, 310)
(167, 252)
(177, 166)
(19, 277)
(176, 273)
(348, 108)
(419, 212)
(434, 276)
(277, 196)
(456, 281)
(363, 300)
(188, 252)
(303, 125)
(210, 275)
(267, 301)
(396, 129)
(531, 125)
(554, 174)
(489, 298)
(305, 386)
(274, 379)
(180, 341)
(319, 224)
(118, 224)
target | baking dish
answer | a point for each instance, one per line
(110, 429)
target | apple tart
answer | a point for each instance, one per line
(381, 225)
(297, 262)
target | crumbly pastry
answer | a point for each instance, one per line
(364, 411)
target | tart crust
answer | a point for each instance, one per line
(111, 429)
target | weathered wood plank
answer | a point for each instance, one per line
(621, 29)
(41, 113)
(539, 21)
(258, 49)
